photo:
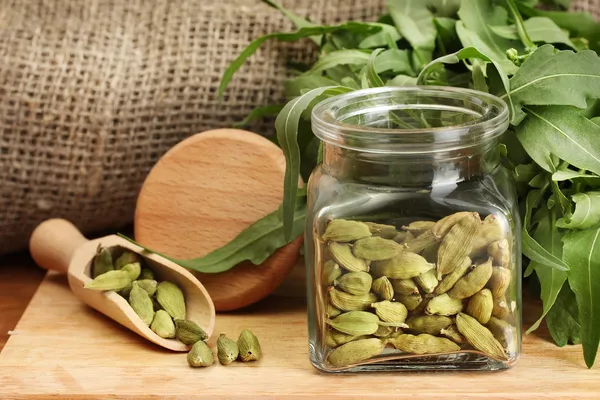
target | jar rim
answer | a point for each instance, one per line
(490, 119)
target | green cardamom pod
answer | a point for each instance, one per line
(384, 331)
(134, 270)
(499, 281)
(444, 305)
(102, 262)
(163, 325)
(342, 254)
(450, 280)
(504, 332)
(403, 237)
(473, 282)
(200, 355)
(489, 231)
(418, 227)
(127, 257)
(341, 230)
(188, 332)
(423, 344)
(384, 231)
(383, 288)
(331, 271)
(355, 352)
(405, 287)
(355, 323)
(171, 299)
(431, 324)
(404, 266)
(453, 334)
(249, 347)
(126, 291)
(148, 285)
(335, 338)
(227, 350)
(332, 311)
(350, 302)
(457, 244)
(443, 226)
(421, 242)
(411, 301)
(392, 312)
(111, 280)
(355, 282)
(141, 304)
(376, 248)
(500, 308)
(427, 281)
(479, 336)
(430, 253)
(481, 305)
(146, 273)
(499, 250)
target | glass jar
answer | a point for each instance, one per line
(413, 235)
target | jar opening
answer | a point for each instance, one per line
(408, 120)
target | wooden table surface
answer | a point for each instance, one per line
(62, 349)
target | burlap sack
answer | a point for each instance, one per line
(93, 92)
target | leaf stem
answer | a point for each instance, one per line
(521, 31)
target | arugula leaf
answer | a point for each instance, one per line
(526, 172)
(531, 248)
(540, 30)
(551, 279)
(415, 23)
(402, 80)
(474, 30)
(298, 21)
(563, 319)
(255, 244)
(550, 77)
(563, 132)
(258, 113)
(447, 39)
(288, 37)
(295, 85)
(582, 252)
(340, 57)
(286, 126)
(559, 197)
(372, 77)
(563, 175)
(587, 212)
(381, 38)
(394, 60)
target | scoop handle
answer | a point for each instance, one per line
(53, 243)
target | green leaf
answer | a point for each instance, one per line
(551, 280)
(587, 212)
(255, 244)
(415, 23)
(286, 126)
(293, 86)
(258, 113)
(474, 30)
(560, 198)
(340, 57)
(394, 60)
(298, 21)
(563, 175)
(381, 38)
(581, 252)
(402, 80)
(531, 248)
(447, 38)
(563, 319)
(540, 30)
(288, 37)
(372, 76)
(526, 172)
(596, 120)
(560, 131)
(550, 77)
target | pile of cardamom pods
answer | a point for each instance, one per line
(433, 287)
(161, 306)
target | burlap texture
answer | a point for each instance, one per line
(93, 92)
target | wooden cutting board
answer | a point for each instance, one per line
(62, 349)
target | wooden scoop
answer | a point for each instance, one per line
(56, 244)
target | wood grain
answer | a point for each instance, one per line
(201, 194)
(63, 349)
(19, 279)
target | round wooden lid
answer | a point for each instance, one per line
(201, 194)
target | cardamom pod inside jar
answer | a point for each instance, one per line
(413, 235)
